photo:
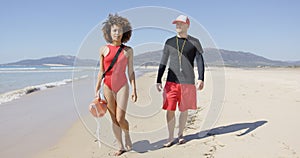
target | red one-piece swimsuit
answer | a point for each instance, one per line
(116, 78)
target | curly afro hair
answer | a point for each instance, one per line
(119, 21)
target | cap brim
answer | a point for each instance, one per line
(175, 21)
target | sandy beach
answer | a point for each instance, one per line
(256, 118)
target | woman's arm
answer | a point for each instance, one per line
(131, 74)
(101, 69)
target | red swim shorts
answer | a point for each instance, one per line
(184, 94)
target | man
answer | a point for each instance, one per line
(181, 51)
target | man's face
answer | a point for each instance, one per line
(181, 27)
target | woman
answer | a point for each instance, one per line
(117, 30)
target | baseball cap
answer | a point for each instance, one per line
(182, 18)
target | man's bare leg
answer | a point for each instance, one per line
(171, 126)
(182, 122)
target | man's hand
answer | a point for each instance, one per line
(200, 85)
(159, 86)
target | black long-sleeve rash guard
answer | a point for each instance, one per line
(192, 50)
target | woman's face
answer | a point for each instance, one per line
(116, 33)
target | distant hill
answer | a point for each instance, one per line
(212, 57)
(62, 60)
(219, 57)
(240, 59)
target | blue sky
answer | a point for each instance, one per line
(40, 28)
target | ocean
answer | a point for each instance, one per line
(17, 81)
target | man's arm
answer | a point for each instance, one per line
(162, 67)
(163, 63)
(200, 61)
(200, 65)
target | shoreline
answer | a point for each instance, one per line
(21, 91)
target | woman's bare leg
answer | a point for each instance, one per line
(122, 101)
(112, 108)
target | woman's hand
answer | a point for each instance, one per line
(96, 94)
(133, 96)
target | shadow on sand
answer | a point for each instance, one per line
(145, 146)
